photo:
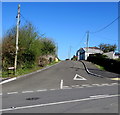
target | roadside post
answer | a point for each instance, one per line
(11, 69)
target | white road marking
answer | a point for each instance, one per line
(78, 77)
(12, 93)
(67, 87)
(61, 84)
(88, 86)
(8, 80)
(41, 90)
(105, 84)
(27, 91)
(52, 89)
(75, 86)
(96, 84)
(110, 84)
(101, 85)
(114, 83)
(57, 103)
(96, 96)
(84, 85)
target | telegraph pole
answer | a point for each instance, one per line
(118, 27)
(87, 43)
(17, 35)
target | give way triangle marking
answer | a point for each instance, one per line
(78, 77)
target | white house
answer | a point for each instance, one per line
(83, 53)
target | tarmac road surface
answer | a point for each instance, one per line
(42, 92)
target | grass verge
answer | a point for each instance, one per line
(100, 67)
(24, 71)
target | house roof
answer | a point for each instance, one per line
(93, 48)
(90, 48)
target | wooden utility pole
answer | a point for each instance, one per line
(118, 27)
(17, 35)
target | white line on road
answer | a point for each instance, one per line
(88, 86)
(27, 91)
(114, 83)
(96, 84)
(12, 93)
(105, 84)
(67, 87)
(53, 89)
(96, 96)
(57, 103)
(75, 86)
(110, 84)
(61, 84)
(7, 80)
(41, 90)
(85, 85)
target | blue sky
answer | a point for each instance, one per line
(67, 22)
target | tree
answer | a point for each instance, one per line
(47, 47)
(8, 48)
(31, 46)
(107, 47)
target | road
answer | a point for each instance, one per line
(41, 92)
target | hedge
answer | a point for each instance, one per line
(109, 64)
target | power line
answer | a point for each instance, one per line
(81, 39)
(105, 26)
(103, 37)
(23, 18)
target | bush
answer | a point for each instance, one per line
(31, 46)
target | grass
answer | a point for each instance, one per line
(118, 59)
(52, 63)
(100, 67)
(21, 71)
